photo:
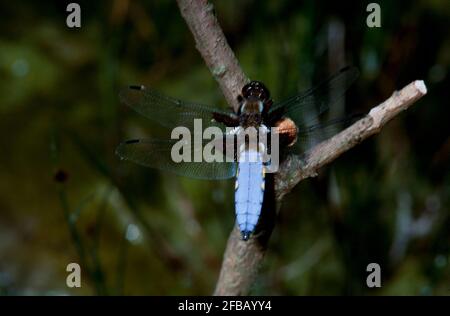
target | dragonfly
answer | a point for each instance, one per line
(295, 122)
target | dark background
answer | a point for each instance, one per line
(65, 197)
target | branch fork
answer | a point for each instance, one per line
(242, 259)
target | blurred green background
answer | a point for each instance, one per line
(65, 197)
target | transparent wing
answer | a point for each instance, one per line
(308, 136)
(170, 112)
(158, 154)
(316, 100)
(314, 134)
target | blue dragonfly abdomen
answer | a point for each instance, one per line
(249, 193)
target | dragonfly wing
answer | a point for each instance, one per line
(159, 154)
(170, 112)
(316, 100)
(308, 136)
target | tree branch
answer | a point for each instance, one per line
(242, 259)
(213, 46)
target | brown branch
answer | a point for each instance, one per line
(213, 46)
(242, 259)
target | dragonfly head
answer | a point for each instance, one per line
(254, 101)
(257, 90)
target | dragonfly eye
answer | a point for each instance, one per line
(257, 90)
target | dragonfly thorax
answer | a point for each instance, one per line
(251, 113)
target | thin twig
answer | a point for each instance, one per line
(242, 260)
